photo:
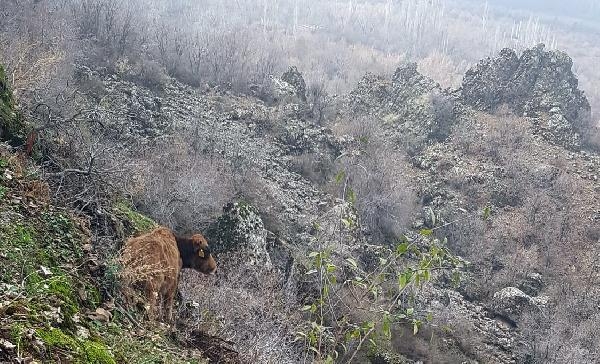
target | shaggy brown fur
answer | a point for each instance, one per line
(153, 261)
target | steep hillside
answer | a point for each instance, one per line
(338, 231)
(524, 161)
(53, 298)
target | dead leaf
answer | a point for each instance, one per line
(100, 315)
(45, 271)
(7, 345)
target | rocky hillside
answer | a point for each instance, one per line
(495, 172)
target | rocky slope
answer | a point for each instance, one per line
(515, 163)
(459, 160)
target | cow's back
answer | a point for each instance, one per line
(152, 261)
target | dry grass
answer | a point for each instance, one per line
(247, 305)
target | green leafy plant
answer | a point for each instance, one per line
(355, 307)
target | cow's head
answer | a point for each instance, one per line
(202, 260)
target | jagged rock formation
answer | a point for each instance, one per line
(538, 84)
(293, 77)
(456, 175)
(511, 303)
(411, 106)
(288, 89)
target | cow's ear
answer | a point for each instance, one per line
(201, 253)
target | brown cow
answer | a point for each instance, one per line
(154, 260)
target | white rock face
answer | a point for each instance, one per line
(511, 303)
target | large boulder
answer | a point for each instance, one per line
(289, 89)
(240, 229)
(511, 303)
(538, 84)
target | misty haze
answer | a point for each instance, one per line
(299, 181)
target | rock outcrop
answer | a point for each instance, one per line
(240, 228)
(411, 106)
(290, 88)
(538, 84)
(511, 303)
(294, 78)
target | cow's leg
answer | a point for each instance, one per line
(169, 309)
(153, 300)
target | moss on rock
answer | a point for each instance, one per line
(12, 127)
(240, 228)
(134, 223)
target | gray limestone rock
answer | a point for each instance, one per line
(294, 78)
(240, 228)
(539, 84)
(512, 303)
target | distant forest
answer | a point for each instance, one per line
(582, 9)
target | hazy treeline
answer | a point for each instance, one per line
(583, 9)
(238, 44)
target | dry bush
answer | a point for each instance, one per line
(361, 128)
(318, 99)
(247, 305)
(505, 136)
(570, 322)
(591, 138)
(316, 167)
(151, 74)
(180, 187)
(374, 179)
(382, 193)
(37, 50)
(432, 344)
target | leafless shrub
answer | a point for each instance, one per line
(112, 23)
(152, 75)
(363, 129)
(443, 113)
(315, 167)
(247, 305)
(375, 181)
(317, 99)
(179, 187)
